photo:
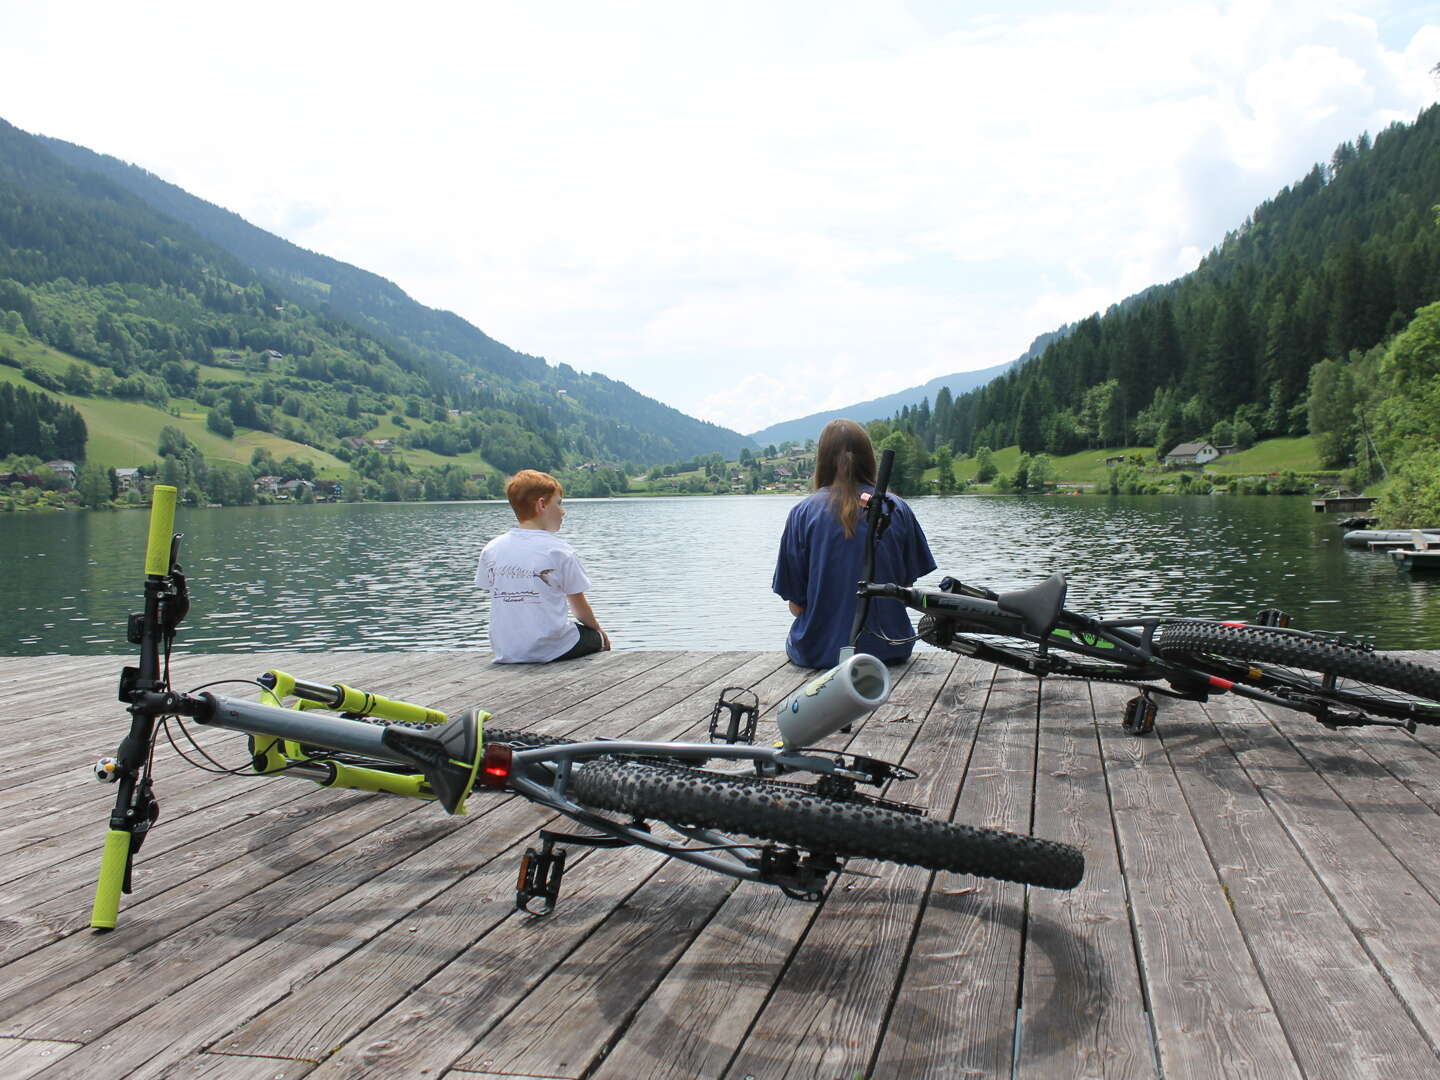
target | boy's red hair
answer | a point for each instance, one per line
(526, 487)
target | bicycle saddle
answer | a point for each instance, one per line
(1038, 607)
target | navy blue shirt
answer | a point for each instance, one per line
(819, 566)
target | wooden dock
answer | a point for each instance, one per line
(1262, 898)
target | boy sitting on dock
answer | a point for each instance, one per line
(536, 581)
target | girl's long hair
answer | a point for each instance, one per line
(844, 460)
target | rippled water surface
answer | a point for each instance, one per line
(676, 573)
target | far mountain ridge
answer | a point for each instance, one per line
(626, 424)
(808, 427)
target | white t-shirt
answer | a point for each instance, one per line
(530, 573)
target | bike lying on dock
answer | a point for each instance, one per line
(1341, 683)
(757, 827)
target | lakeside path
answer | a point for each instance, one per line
(1261, 899)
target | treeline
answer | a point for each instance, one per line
(1332, 266)
(1380, 412)
(38, 425)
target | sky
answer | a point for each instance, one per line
(750, 211)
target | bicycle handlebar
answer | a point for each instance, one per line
(135, 806)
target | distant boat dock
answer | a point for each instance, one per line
(1412, 549)
(1343, 504)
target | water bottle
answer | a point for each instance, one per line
(829, 702)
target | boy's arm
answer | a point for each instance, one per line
(581, 607)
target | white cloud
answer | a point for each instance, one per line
(740, 209)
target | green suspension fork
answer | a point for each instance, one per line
(142, 688)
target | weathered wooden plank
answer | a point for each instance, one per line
(692, 1022)
(21, 1059)
(757, 934)
(956, 1006)
(471, 928)
(1374, 886)
(281, 983)
(1306, 830)
(1082, 1014)
(561, 1025)
(49, 815)
(1363, 775)
(449, 999)
(1209, 1008)
(191, 989)
(51, 981)
(637, 687)
(25, 676)
(221, 1067)
(56, 900)
(1342, 1017)
(60, 863)
(276, 984)
(357, 990)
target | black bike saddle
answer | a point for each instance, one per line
(1039, 607)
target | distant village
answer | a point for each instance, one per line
(63, 475)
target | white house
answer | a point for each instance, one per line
(1192, 453)
(60, 465)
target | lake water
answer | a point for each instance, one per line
(676, 573)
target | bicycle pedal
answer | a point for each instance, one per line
(743, 716)
(540, 875)
(1140, 713)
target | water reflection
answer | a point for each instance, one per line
(678, 573)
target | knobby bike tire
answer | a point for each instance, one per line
(783, 814)
(1371, 682)
(531, 739)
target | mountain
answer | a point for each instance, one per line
(1327, 271)
(110, 264)
(808, 427)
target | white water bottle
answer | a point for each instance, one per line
(830, 701)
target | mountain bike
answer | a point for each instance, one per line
(1339, 681)
(762, 826)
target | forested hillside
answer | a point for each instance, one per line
(161, 298)
(1331, 267)
(1282, 330)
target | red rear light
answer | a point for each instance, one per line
(495, 765)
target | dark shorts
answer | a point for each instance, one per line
(590, 642)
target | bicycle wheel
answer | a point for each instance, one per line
(784, 814)
(1308, 668)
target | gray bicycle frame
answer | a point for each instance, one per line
(314, 728)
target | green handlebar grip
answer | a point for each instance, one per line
(162, 526)
(112, 877)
